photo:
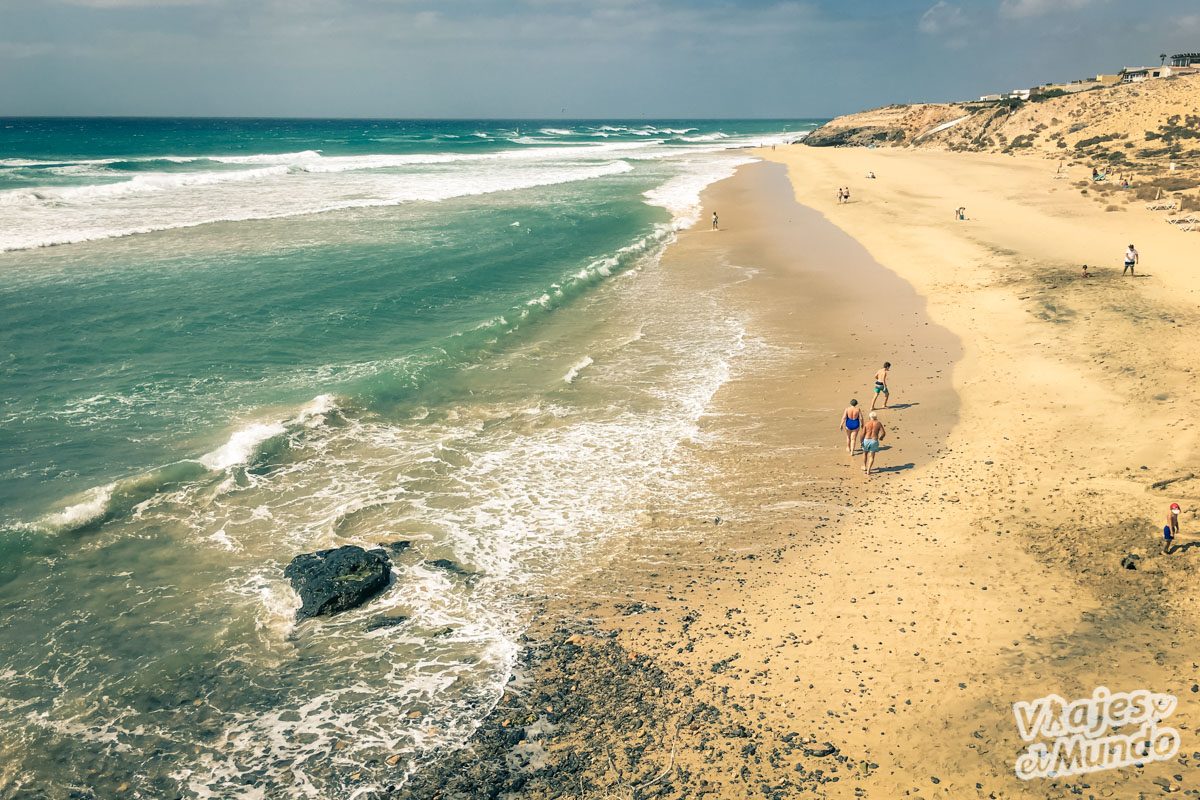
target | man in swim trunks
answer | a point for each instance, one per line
(881, 386)
(852, 425)
(873, 434)
(1171, 529)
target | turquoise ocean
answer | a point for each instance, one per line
(227, 342)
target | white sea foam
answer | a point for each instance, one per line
(317, 410)
(268, 158)
(541, 140)
(221, 539)
(93, 508)
(241, 446)
(578, 367)
(57, 217)
(237, 188)
(141, 184)
(681, 194)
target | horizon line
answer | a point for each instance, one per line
(410, 119)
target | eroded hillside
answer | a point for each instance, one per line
(1142, 126)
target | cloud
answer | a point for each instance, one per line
(134, 3)
(19, 50)
(1020, 9)
(941, 17)
(26, 49)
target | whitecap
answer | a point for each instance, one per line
(578, 367)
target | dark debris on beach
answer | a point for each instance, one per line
(586, 718)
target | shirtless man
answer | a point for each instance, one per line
(873, 434)
(1171, 529)
(852, 425)
(881, 386)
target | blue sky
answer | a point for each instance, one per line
(552, 58)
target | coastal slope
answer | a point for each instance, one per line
(1136, 126)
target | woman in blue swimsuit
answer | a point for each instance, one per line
(852, 425)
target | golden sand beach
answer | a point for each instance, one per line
(845, 636)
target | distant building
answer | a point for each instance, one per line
(1185, 60)
(1082, 85)
(1139, 74)
(990, 98)
(1066, 88)
(1020, 94)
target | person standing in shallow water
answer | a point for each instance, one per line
(881, 385)
(852, 424)
(873, 433)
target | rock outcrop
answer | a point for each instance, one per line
(331, 581)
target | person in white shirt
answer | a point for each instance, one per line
(1131, 260)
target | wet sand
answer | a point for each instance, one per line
(820, 632)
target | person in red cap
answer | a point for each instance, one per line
(1171, 529)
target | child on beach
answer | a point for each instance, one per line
(1086, 274)
(1171, 529)
(714, 220)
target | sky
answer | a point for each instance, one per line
(558, 58)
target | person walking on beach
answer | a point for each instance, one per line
(1131, 260)
(1171, 529)
(881, 386)
(873, 434)
(714, 220)
(852, 424)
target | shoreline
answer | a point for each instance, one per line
(777, 399)
(873, 646)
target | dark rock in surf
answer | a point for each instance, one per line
(331, 581)
(396, 548)
(385, 621)
(448, 565)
